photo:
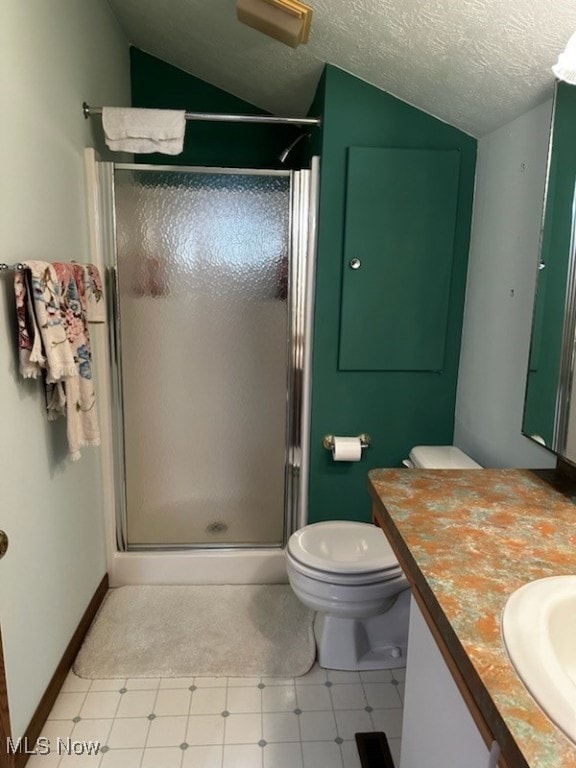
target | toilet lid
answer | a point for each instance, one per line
(343, 547)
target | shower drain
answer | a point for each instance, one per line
(216, 527)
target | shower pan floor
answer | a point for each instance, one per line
(186, 524)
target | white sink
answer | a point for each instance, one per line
(539, 629)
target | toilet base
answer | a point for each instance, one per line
(377, 642)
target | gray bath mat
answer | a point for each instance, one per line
(177, 631)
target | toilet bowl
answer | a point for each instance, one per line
(347, 572)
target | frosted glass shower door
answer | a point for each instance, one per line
(202, 283)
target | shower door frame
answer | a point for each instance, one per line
(301, 248)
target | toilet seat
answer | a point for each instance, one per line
(343, 552)
(346, 579)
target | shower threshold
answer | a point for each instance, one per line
(214, 565)
(199, 546)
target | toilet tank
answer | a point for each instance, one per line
(440, 457)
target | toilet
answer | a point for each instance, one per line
(347, 572)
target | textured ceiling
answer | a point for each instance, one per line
(474, 63)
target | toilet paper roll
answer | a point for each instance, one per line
(347, 449)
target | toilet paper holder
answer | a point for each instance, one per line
(365, 440)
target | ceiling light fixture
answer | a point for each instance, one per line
(285, 20)
(565, 67)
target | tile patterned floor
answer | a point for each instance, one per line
(219, 722)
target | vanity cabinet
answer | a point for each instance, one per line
(448, 529)
(438, 730)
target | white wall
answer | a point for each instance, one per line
(55, 54)
(502, 271)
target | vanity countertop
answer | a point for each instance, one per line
(466, 540)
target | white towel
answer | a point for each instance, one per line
(144, 130)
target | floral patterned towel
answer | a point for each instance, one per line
(53, 338)
(31, 358)
(42, 340)
(75, 395)
(94, 295)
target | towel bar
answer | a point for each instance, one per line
(88, 111)
(4, 266)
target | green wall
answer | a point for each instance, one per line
(398, 409)
(157, 85)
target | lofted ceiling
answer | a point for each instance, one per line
(475, 64)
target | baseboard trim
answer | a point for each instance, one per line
(47, 701)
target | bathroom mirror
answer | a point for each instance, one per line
(550, 406)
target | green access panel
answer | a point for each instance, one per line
(401, 207)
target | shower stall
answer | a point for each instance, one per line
(210, 282)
